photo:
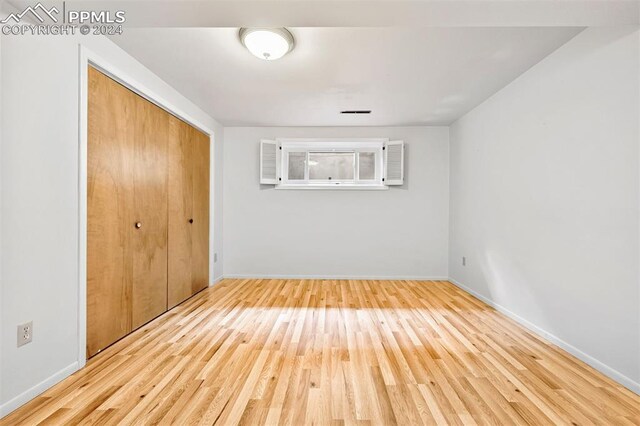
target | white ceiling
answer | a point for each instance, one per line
(406, 76)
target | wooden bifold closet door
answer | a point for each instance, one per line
(135, 232)
(188, 211)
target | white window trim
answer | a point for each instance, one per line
(356, 145)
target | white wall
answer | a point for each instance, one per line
(39, 199)
(402, 232)
(544, 199)
(3, 14)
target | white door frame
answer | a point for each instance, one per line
(90, 58)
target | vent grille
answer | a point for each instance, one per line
(356, 111)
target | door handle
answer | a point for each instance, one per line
(138, 225)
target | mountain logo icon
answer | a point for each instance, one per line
(37, 11)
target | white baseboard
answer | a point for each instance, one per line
(333, 277)
(588, 359)
(36, 390)
(216, 280)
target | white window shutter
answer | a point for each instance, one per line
(394, 163)
(269, 162)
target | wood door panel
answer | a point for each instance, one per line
(180, 211)
(150, 209)
(109, 208)
(200, 231)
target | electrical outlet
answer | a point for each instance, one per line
(464, 261)
(25, 333)
(215, 257)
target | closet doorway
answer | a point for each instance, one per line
(147, 211)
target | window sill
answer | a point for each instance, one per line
(335, 187)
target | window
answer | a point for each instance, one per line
(326, 164)
(335, 164)
(367, 165)
(297, 161)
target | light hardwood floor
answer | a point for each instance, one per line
(333, 352)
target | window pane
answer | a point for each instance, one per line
(296, 165)
(367, 165)
(331, 165)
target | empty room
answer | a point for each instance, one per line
(300, 212)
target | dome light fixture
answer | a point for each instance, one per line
(267, 43)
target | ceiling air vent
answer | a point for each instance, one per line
(356, 111)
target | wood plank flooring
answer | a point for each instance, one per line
(333, 352)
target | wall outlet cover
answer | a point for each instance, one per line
(25, 333)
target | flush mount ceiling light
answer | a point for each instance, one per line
(267, 43)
